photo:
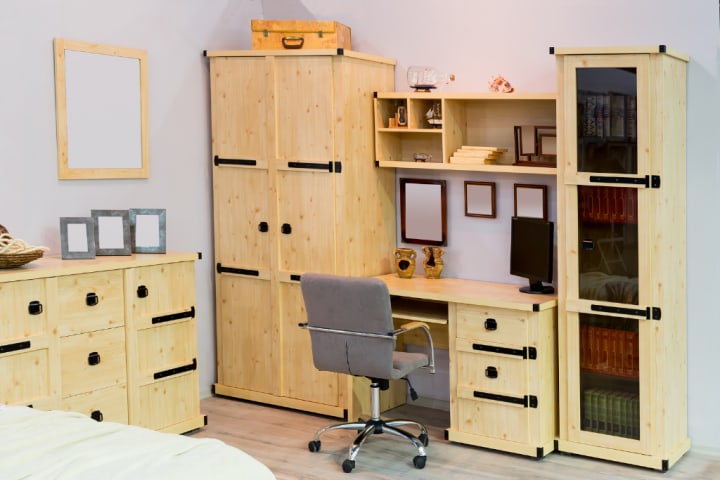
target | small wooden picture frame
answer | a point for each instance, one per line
(531, 201)
(147, 230)
(112, 232)
(480, 199)
(77, 237)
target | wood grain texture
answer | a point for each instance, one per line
(278, 438)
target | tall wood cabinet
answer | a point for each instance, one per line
(622, 249)
(113, 337)
(295, 190)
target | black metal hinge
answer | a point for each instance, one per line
(649, 313)
(525, 352)
(526, 401)
(238, 271)
(233, 161)
(649, 181)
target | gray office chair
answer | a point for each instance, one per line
(352, 331)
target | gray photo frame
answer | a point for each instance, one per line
(147, 230)
(77, 237)
(112, 232)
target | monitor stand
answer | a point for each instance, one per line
(538, 288)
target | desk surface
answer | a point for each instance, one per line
(473, 292)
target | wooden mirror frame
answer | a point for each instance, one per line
(484, 206)
(423, 214)
(107, 140)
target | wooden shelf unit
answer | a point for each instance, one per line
(474, 119)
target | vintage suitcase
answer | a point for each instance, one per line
(296, 34)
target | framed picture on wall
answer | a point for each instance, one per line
(480, 199)
(531, 201)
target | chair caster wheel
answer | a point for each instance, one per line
(423, 439)
(419, 461)
(314, 445)
(348, 466)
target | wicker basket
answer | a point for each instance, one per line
(14, 260)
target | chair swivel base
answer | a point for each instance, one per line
(372, 427)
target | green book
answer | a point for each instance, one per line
(617, 413)
(602, 411)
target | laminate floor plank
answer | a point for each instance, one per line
(278, 437)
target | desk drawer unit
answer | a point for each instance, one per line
(104, 405)
(90, 301)
(92, 361)
(502, 360)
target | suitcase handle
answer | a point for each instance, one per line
(297, 42)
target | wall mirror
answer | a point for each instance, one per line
(101, 109)
(480, 199)
(423, 211)
(531, 201)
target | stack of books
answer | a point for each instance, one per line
(611, 412)
(609, 351)
(469, 154)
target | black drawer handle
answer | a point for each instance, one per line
(490, 324)
(91, 299)
(142, 291)
(97, 415)
(286, 228)
(93, 358)
(174, 371)
(263, 227)
(35, 307)
(13, 347)
(526, 401)
(491, 372)
(174, 316)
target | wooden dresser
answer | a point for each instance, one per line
(113, 337)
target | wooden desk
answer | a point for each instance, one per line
(503, 360)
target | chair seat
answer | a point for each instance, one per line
(406, 362)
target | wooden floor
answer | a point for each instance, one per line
(279, 437)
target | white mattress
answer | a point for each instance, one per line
(38, 444)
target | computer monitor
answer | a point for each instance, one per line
(531, 253)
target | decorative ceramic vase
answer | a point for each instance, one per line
(433, 261)
(405, 262)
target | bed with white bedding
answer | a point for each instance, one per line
(37, 444)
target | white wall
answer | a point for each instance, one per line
(473, 39)
(477, 39)
(174, 33)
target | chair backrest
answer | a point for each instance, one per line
(352, 305)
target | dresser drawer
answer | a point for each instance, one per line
(168, 401)
(165, 347)
(496, 418)
(91, 301)
(25, 375)
(499, 373)
(93, 360)
(107, 404)
(22, 309)
(494, 325)
(161, 291)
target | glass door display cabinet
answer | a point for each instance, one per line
(622, 287)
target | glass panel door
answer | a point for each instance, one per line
(607, 120)
(608, 238)
(609, 375)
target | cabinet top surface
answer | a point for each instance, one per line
(626, 50)
(52, 266)
(339, 52)
(473, 292)
(468, 95)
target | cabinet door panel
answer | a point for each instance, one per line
(165, 346)
(306, 204)
(304, 102)
(241, 93)
(19, 318)
(26, 377)
(492, 418)
(160, 290)
(301, 380)
(167, 402)
(247, 337)
(241, 199)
